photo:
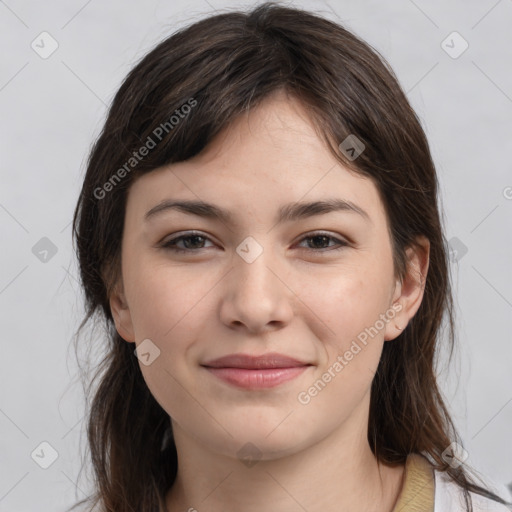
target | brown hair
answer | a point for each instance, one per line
(221, 67)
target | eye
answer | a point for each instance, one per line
(191, 242)
(195, 241)
(321, 238)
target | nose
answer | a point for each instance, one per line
(256, 296)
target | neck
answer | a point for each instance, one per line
(339, 472)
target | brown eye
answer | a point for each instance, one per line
(320, 242)
(191, 243)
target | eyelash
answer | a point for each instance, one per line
(171, 244)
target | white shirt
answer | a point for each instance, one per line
(450, 498)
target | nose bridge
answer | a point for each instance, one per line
(256, 296)
(252, 262)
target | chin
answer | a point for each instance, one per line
(259, 441)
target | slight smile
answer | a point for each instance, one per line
(256, 372)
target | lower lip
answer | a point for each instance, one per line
(257, 379)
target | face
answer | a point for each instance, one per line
(196, 287)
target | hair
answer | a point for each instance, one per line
(219, 68)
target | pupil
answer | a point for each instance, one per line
(192, 237)
(322, 237)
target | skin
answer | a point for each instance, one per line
(299, 297)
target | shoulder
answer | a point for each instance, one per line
(450, 498)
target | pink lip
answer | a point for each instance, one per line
(256, 372)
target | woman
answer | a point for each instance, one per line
(259, 228)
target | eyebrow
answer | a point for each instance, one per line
(287, 213)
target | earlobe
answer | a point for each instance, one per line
(121, 314)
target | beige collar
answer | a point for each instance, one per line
(417, 494)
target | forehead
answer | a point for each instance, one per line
(270, 156)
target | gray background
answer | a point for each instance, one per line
(53, 108)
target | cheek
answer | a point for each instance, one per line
(348, 303)
(163, 299)
(351, 306)
(167, 306)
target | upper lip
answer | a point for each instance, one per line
(246, 361)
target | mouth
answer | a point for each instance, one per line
(256, 372)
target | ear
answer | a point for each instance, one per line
(121, 313)
(408, 293)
